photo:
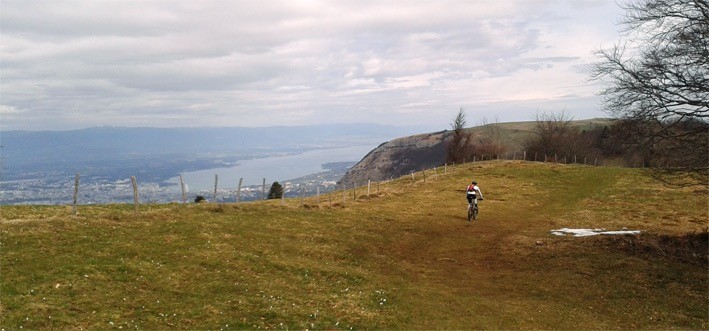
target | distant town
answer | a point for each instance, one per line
(38, 167)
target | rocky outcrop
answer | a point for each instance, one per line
(398, 157)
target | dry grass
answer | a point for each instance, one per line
(404, 257)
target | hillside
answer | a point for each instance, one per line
(398, 157)
(405, 155)
(402, 257)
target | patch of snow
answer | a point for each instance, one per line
(590, 232)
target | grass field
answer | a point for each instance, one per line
(404, 257)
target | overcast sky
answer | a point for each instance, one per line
(67, 65)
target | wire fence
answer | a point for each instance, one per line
(343, 195)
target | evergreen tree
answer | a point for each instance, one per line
(459, 144)
(276, 191)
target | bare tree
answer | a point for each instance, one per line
(550, 133)
(658, 77)
(554, 134)
(491, 140)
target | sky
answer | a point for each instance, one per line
(76, 64)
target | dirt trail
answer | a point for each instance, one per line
(440, 251)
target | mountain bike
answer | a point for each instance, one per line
(473, 211)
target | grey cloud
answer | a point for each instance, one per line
(250, 61)
(56, 20)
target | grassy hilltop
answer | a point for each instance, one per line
(404, 257)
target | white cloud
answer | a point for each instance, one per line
(165, 63)
(4, 109)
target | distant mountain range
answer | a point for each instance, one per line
(163, 152)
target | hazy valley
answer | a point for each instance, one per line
(40, 167)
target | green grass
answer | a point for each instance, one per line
(405, 258)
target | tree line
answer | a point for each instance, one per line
(656, 87)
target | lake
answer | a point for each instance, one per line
(276, 168)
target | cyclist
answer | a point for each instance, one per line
(472, 193)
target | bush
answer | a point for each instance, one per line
(276, 191)
(554, 135)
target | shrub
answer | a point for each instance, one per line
(276, 191)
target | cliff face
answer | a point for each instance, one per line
(398, 157)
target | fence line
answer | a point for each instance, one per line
(413, 177)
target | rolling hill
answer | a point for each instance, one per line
(398, 254)
(404, 155)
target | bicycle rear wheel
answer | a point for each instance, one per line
(475, 213)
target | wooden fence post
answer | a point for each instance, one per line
(445, 168)
(525, 155)
(424, 175)
(369, 186)
(354, 192)
(182, 187)
(238, 190)
(216, 179)
(135, 192)
(76, 192)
